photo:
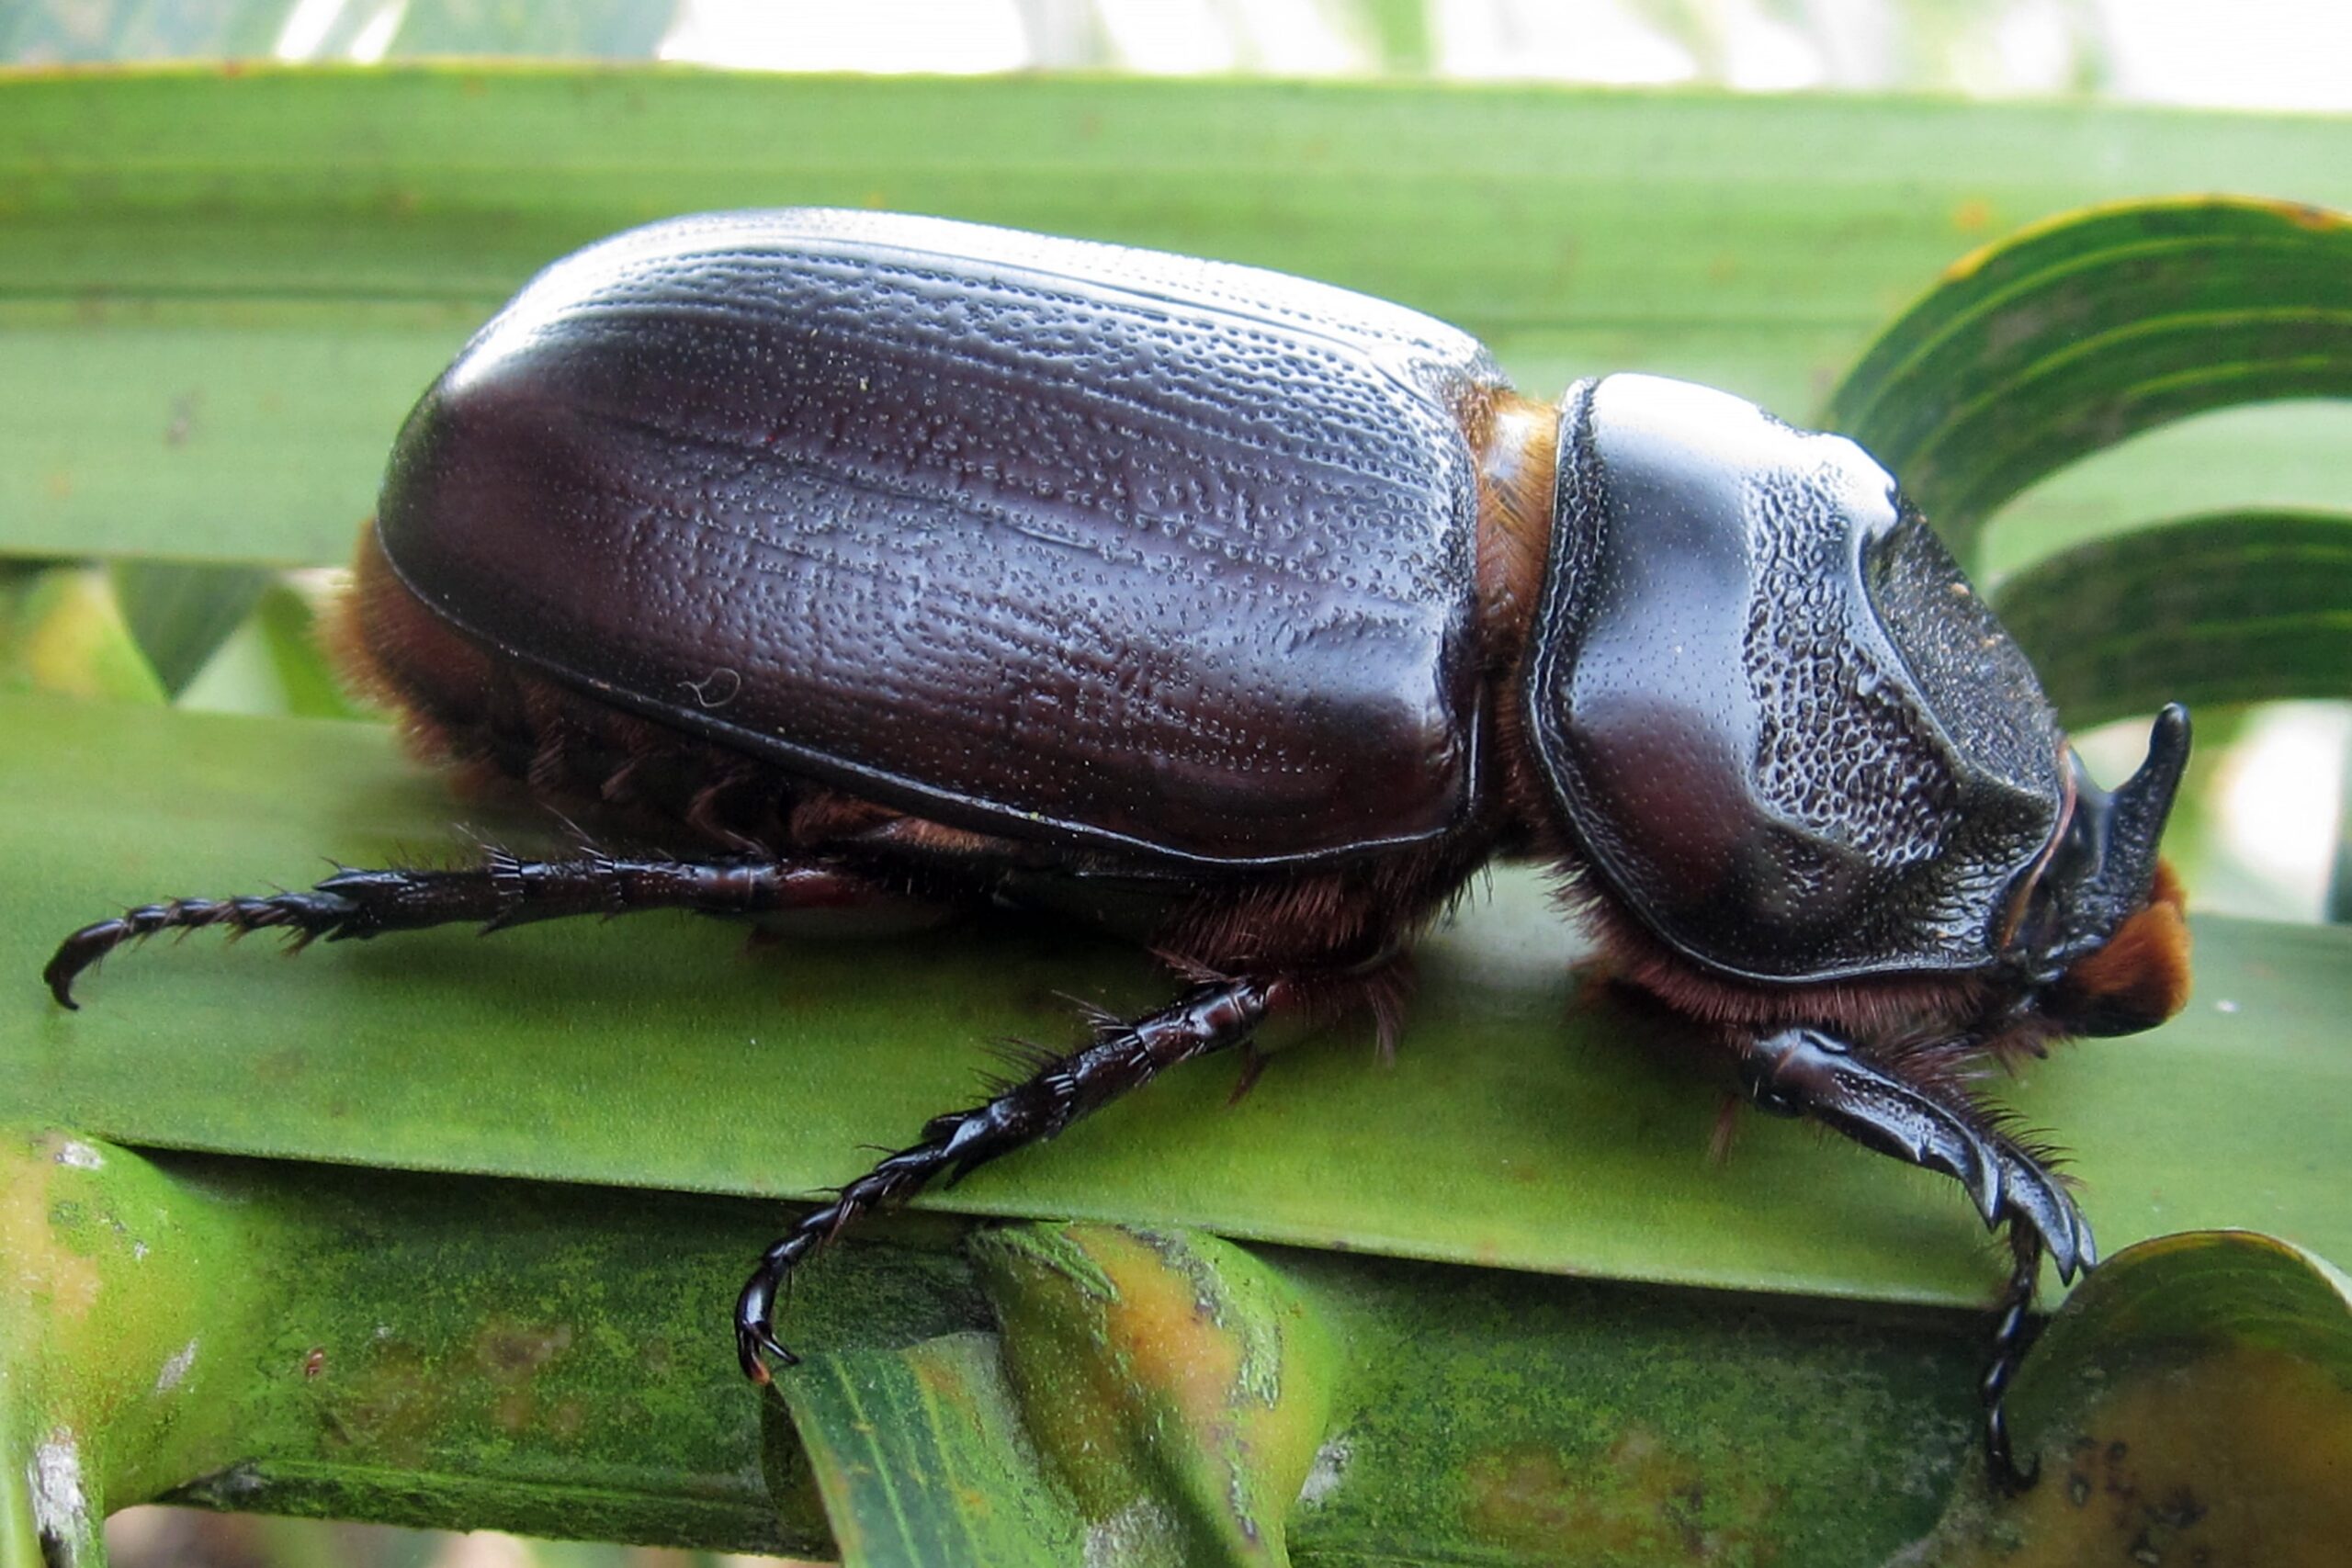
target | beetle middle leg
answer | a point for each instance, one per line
(1212, 1015)
(504, 890)
(1808, 1072)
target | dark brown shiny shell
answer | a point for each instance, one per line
(1784, 730)
(1049, 539)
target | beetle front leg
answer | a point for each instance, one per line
(1213, 1016)
(503, 891)
(1805, 1072)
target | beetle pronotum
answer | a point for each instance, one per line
(876, 557)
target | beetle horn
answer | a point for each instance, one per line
(2117, 833)
(2143, 801)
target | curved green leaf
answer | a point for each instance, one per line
(181, 612)
(2085, 330)
(2192, 1402)
(1178, 1386)
(2245, 608)
(923, 1462)
(62, 631)
(275, 663)
(287, 625)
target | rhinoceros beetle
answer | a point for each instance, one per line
(874, 558)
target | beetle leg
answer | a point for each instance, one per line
(1809, 1073)
(1123, 1057)
(503, 891)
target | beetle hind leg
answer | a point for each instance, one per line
(503, 891)
(1926, 1123)
(1212, 1015)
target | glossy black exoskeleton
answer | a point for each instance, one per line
(876, 557)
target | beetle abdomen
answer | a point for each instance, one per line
(1032, 535)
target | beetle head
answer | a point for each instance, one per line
(1788, 739)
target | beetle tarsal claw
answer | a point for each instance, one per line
(1816, 1075)
(756, 1349)
(755, 1342)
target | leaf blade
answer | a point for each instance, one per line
(335, 235)
(2078, 333)
(2233, 608)
(924, 1462)
(1528, 1122)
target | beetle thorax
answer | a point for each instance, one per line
(1770, 713)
